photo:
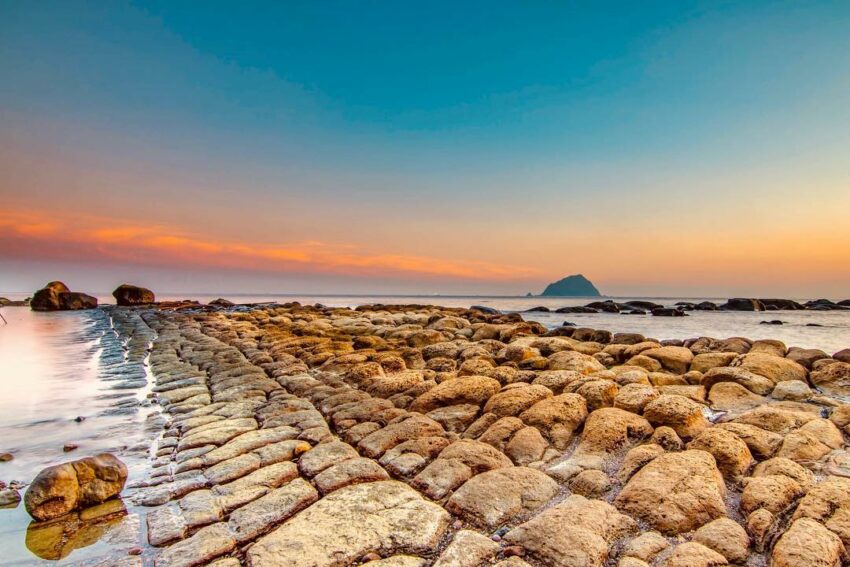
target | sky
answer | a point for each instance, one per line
(658, 148)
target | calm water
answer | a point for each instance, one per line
(55, 367)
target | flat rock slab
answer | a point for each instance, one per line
(385, 517)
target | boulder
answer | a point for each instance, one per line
(576, 533)
(775, 368)
(74, 300)
(685, 416)
(676, 492)
(60, 489)
(833, 379)
(126, 295)
(557, 418)
(732, 455)
(727, 538)
(493, 498)
(462, 390)
(693, 554)
(675, 359)
(807, 544)
(47, 298)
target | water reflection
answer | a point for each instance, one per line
(56, 539)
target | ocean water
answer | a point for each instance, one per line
(55, 367)
(66, 378)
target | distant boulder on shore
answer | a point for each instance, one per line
(572, 286)
(126, 295)
(56, 296)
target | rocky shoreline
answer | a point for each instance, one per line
(422, 435)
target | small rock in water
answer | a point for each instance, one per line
(772, 322)
(17, 485)
(70, 447)
(6, 457)
(9, 497)
(79, 419)
(134, 551)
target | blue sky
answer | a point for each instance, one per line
(506, 133)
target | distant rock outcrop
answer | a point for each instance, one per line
(56, 296)
(126, 294)
(571, 286)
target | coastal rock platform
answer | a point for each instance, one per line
(420, 435)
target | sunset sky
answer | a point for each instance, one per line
(659, 148)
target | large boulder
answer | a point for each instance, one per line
(126, 294)
(47, 298)
(807, 544)
(675, 492)
(833, 379)
(60, 489)
(576, 533)
(74, 300)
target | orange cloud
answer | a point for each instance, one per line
(34, 235)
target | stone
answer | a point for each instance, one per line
(412, 426)
(753, 382)
(770, 492)
(324, 456)
(493, 498)
(74, 300)
(693, 554)
(834, 379)
(467, 549)
(829, 503)
(387, 517)
(456, 464)
(576, 533)
(514, 401)
(729, 396)
(762, 444)
(793, 390)
(462, 390)
(259, 516)
(128, 295)
(634, 397)
(674, 359)
(206, 544)
(352, 471)
(706, 361)
(731, 454)
(576, 361)
(526, 446)
(807, 544)
(9, 498)
(47, 298)
(609, 429)
(726, 537)
(811, 441)
(557, 418)
(775, 368)
(683, 415)
(590, 483)
(646, 546)
(675, 492)
(59, 489)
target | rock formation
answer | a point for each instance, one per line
(571, 286)
(127, 295)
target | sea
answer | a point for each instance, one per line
(69, 379)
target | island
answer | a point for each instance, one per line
(571, 286)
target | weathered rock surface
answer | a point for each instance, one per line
(60, 489)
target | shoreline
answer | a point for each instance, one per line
(478, 426)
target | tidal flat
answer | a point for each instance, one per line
(294, 434)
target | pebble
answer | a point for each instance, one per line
(79, 419)
(514, 551)
(6, 457)
(70, 447)
(457, 524)
(134, 551)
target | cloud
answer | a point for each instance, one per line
(27, 234)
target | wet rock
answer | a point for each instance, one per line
(575, 533)
(127, 295)
(743, 304)
(47, 298)
(676, 492)
(60, 489)
(807, 544)
(387, 517)
(74, 300)
(493, 498)
(9, 498)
